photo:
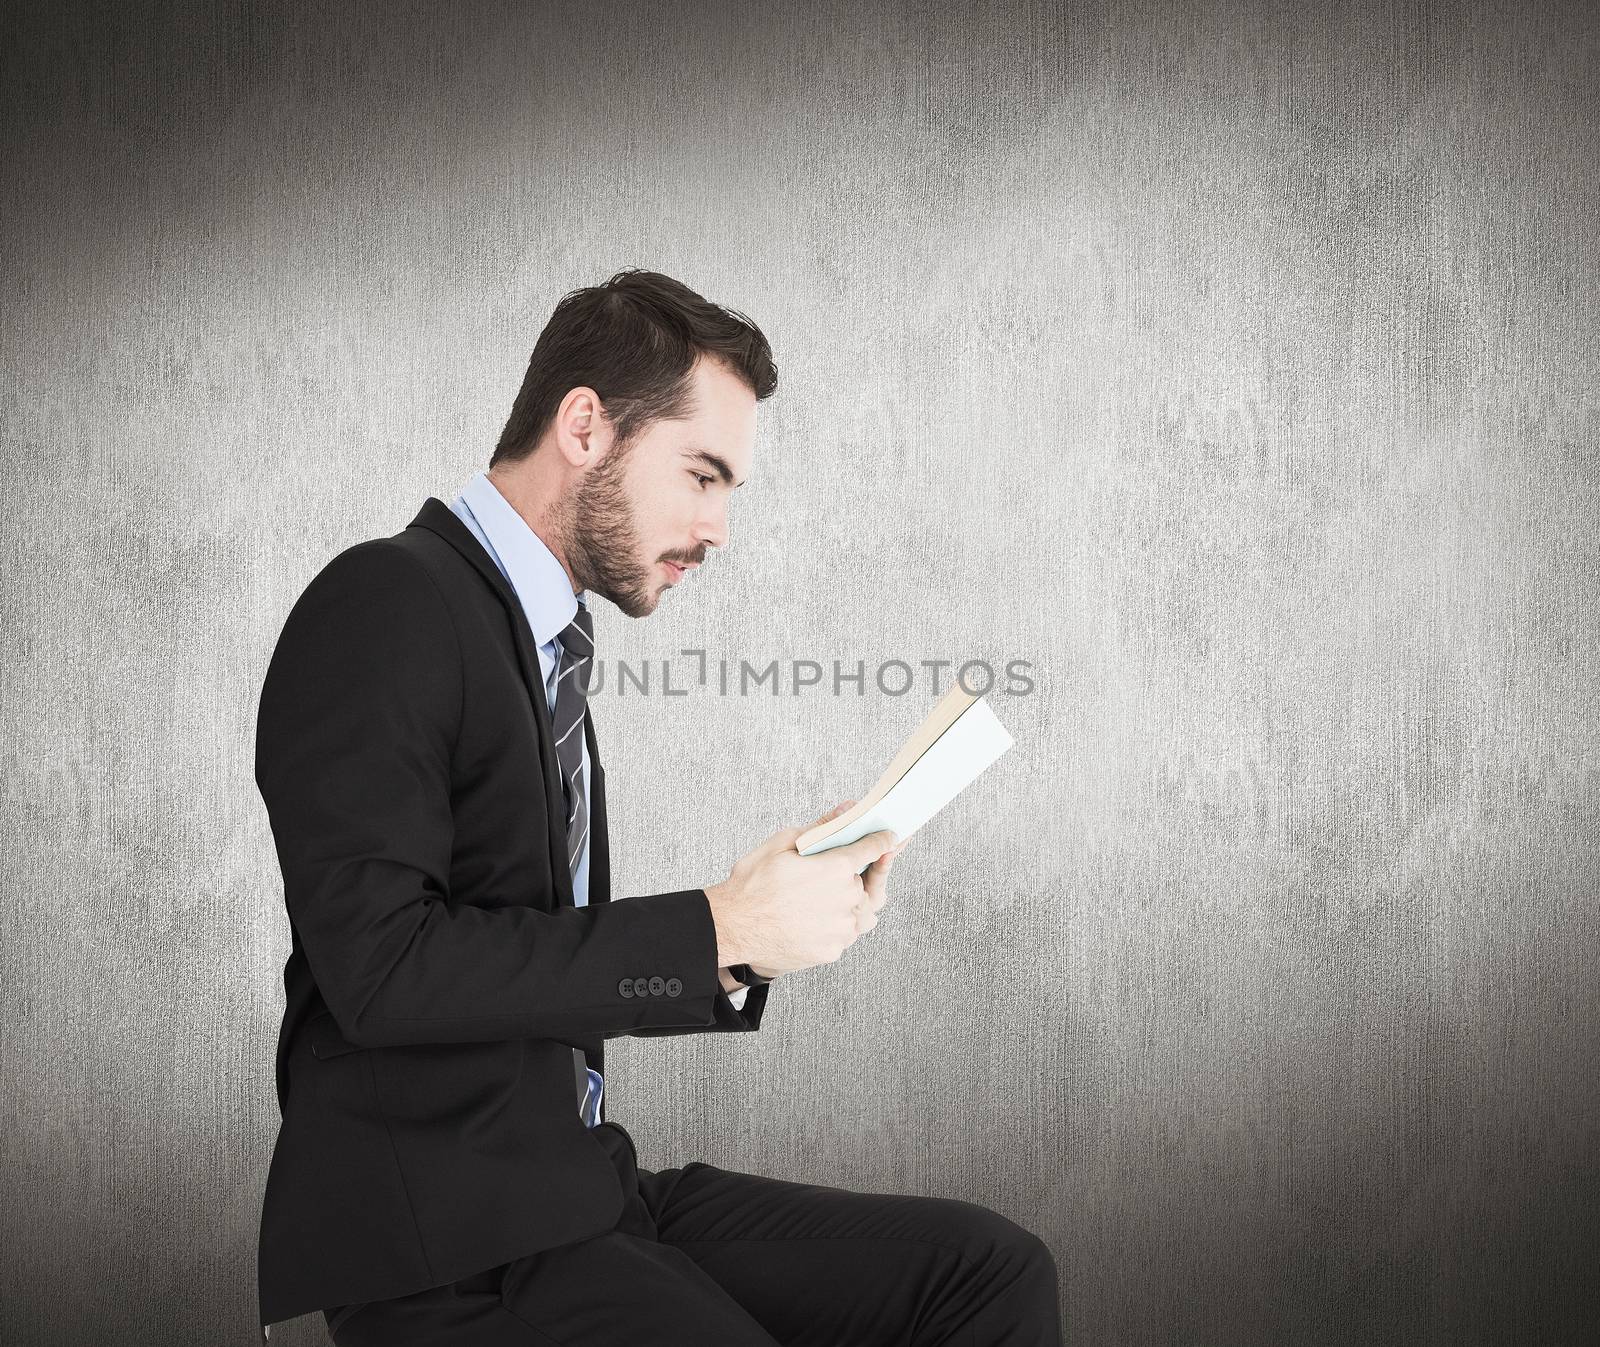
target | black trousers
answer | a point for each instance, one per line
(702, 1255)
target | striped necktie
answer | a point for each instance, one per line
(573, 681)
(574, 677)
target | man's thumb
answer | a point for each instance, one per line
(782, 840)
(789, 836)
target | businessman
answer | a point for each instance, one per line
(445, 1172)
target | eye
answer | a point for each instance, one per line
(701, 477)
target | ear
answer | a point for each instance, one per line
(581, 428)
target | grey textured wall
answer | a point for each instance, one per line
(1236, 365)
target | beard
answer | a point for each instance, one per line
(601, 541)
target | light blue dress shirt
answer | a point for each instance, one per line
(548, 601)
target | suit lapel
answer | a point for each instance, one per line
(439, 518)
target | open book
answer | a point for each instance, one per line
(960, 737)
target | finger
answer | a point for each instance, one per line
(786, 839)
(831, 814)
(876, 881)
(782, 840)
(862, 852)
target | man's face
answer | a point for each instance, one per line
(665, 498)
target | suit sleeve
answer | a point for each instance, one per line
(726, 1016)
(358, 718)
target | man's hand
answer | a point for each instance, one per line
(875, 883)
(780, 911)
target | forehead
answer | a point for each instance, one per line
(722, 417)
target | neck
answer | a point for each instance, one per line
(536, 496)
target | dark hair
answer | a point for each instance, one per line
(634, 340)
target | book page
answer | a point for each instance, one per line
(943, 771)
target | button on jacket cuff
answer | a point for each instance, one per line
(721, 1013)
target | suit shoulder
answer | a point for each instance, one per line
(370, 643)
(375, 593)
(383, 568)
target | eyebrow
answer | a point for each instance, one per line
(719, 465)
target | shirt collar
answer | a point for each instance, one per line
(540, 581)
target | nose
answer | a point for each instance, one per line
(712, 528)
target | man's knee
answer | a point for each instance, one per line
(1007, 1273)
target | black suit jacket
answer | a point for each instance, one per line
(439, 974)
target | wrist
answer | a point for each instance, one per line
(724, 936)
